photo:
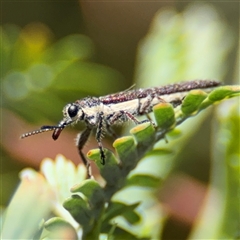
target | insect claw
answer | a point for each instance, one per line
(102, 156)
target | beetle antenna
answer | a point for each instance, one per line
(41, 130)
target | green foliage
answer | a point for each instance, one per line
(94, 207)
(119, 208)
(56, 228)
(144, 138)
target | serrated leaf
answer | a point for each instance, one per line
(80, 210)
(144, 135)
(91, 189)
(164, 115)
(223, 92)
(110, 171)
(126, 151)
(220, 93)
(192, 101)
(94, 195)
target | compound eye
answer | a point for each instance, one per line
(72, 111)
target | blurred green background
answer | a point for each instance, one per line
(53, 53)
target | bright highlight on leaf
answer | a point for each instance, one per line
(164, 115)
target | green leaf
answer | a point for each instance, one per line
(22, 219)
(80, 211)
(223, 92)
(94, 196)
(145, 137)
(220, 93)
(143, 180)
(132, 217)
(192, 101)
(127, 152)
(121, 209)
(59, 228)
(110, 171)
(164, 115)
(91, 189)
(119, 234)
